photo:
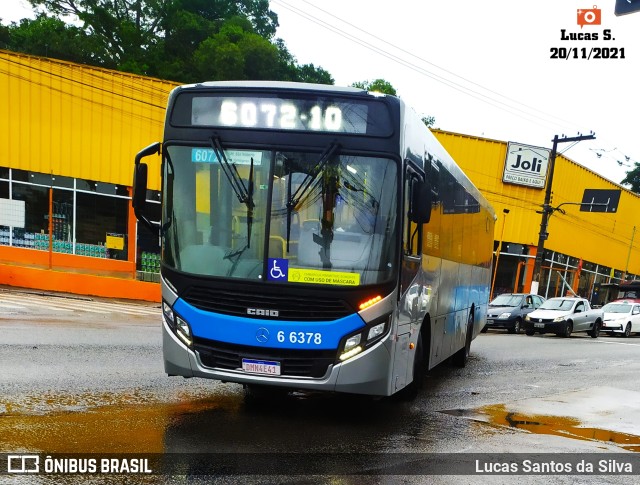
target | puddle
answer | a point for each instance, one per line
(601, 414)
(116, 428)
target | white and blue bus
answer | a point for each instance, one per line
(313, 238)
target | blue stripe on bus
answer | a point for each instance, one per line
(279, 334)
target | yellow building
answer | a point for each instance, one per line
(583, 247)
(68, 137)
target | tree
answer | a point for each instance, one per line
(379, 86)
(382, 86)
(429, 121)
(49, 37)
(236, 53)
(179, 40)
(633, 178)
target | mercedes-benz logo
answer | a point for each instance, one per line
(262, 335)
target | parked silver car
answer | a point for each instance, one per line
(509, 309)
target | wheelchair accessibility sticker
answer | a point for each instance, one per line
(278, 269)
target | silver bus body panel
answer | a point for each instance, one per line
(366, 373)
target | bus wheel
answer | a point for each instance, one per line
(461, 357)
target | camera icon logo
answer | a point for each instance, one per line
(589, 16)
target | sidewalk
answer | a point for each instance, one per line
(107, 284)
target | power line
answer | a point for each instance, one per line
(441, 79)
(421, 59)
(490, 99)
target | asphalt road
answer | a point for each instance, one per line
(86, 376)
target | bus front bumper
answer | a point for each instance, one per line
(367, 373)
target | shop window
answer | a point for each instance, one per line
(101, 226)
(62, 217)
(62, 182)
(148, 247)
(36, 213)
(40, 179)
(19, 175)
(87, 185)
(4, 200)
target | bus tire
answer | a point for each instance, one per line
(461, 357)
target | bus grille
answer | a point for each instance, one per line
(296, 363)
(289, 307)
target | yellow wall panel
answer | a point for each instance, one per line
(77, 121)
(602, 238)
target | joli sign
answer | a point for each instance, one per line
(526, 165)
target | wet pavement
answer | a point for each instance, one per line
(90, 382)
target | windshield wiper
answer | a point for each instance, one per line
(244, 194)
(294, 199)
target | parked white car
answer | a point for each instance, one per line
(563, 316)
(621, 317)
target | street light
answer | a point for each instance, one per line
(495, 268)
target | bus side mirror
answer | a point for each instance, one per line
(421, 202)
(140, 176)
(139, 197)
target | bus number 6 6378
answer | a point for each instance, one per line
(300, 337)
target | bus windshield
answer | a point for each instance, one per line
(318, 217)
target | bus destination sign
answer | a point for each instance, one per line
(312, 113)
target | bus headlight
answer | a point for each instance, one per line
(376, 331)
(352, 342)
(183, 331)
(178, 324)
(167, 311)
(350, 353)
(356, 343)
(351, 347)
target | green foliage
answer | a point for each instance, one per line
(633, 178)
(429, 121)
(382, 86)
(379, 86)
(180, 40)
(49, 37)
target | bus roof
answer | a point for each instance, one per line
(276, 85)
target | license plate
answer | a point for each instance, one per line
(268, 367)
(489, 321)
(538, 325)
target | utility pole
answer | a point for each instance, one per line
(547, 210)
(626, 268)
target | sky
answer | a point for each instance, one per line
(483, 68)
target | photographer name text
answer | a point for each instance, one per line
(587, 53)
(606, 467)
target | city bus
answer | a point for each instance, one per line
(313, 238)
